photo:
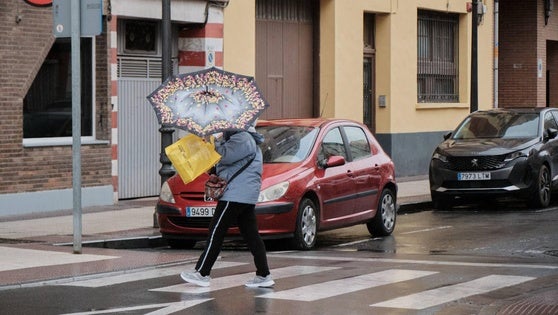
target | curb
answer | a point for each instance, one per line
(124, 243)
(413, 207)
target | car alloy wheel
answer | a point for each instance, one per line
(541, 197)
(305, 230)
(383, 222)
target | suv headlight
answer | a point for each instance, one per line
(514, 155)
(439, 156)
(273, 192)
(166, 193)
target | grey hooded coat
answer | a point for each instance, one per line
(236, 149)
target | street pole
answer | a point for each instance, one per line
(76, 121)
(166, 170)
(474, 62)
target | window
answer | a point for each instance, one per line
(368, 32)
(47, 107)
(140, 37)
(332, 145)
(549, 121)
(140, 49)
(286, 144)
(358, 143)
(498, 125)
(437, 55)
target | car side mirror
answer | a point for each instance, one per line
(447, 135)
(550, 133)
(335, 160)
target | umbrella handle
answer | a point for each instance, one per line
(210, 139)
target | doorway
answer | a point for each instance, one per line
(284, 57)
(369, 74)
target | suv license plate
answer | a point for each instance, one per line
(473, 176)
(200, 211)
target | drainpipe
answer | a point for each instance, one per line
(474, 61)
(496, 52)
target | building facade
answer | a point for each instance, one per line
(401, 67)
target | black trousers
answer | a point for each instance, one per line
(225, 213)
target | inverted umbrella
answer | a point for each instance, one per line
(208, 101)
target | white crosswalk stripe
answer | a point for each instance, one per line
(166, 308)
(142, 275)
(238, 280)
(173, 308)
(447, 294)
(343, 286)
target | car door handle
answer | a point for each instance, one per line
(350, 173)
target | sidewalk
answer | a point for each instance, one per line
(38, 250)
(116, 220)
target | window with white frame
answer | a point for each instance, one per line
(437, 55)
(139, 49)
(47, 106)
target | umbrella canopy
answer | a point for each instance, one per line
(208, 101)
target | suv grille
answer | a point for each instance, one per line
(474, 163)
(192, 195)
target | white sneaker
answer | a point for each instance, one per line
(260, 282)
(195, 278)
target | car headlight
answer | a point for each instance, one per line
(166, 193)
(273, 192)
(514, 155)
(439, 156)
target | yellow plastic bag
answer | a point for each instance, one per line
(191, 156)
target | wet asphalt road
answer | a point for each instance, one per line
(471, 260)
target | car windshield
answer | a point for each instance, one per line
(498, 125)
(286, 144)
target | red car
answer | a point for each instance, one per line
(318, 174)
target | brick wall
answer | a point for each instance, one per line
(550, 35)
(23, 47)
(517, 75)
(523, 41)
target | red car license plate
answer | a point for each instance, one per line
(200, 211)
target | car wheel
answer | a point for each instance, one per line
(383, 222)
(541, 193)
(305, 230)
(180, 244)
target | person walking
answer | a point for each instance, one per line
(237, 149)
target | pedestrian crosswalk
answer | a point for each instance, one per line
(346, 285)
(312, 282)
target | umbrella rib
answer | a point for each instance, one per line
(221, 107)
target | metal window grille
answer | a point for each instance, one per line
(437, 52)
(142, 67)
(284, 10)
